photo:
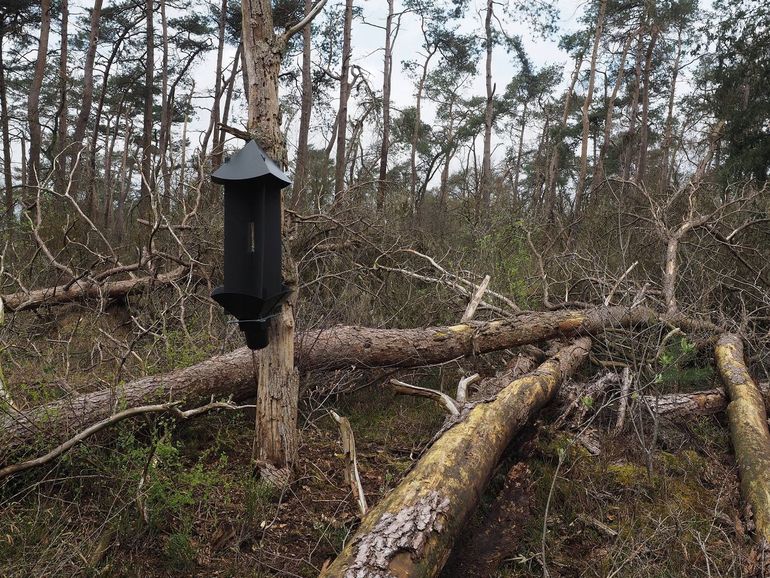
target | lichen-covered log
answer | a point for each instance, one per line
(500, 533)
(321, 349)
(412, 530)
(748, 432)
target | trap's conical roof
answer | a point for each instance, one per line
(250, 163)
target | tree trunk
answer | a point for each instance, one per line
(7, 167)
(87, 98)
(215, 116)
(62, 115)
(306, 111)
(586, 121)
(387, 73)
(166, 103)
(599, 166)
(33, 101)
(486, 162)
(416, 130)
(644, 129)
(149, 76)
(628, 153)
(520, 152)
(328, 349)
(668, 133)
(278, 380)
(748, 432)
(553, 164)
(339, 163)
(412, 530)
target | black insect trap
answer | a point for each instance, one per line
(253, 289)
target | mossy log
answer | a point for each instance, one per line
(412, 530)
(748, 432)
(321, 349)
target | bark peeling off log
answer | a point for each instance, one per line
(748, 432)
(457, 468)
(398, 535)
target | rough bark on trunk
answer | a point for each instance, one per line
(341, 347)
(748, 432)
(278, 380)
(412, 530)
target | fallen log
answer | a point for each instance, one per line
(323, 349)
(708, 402)
(500, 534)
(748, 432)
(85, 289)
(412, 530)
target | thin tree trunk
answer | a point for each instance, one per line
(217, 159)
(147, 142)
(216, 117)
(85, 108)
(486, 162)
(387, 73)
(628, 153)
(339, 163)
(306, 111)
(62, 114)
(599, 167)
(33, 101)
(668, 133)
(553, 164)
(166, 103)
(520, 152)
(7, 167)
(586, 121)
(644, 127)
(416, 131)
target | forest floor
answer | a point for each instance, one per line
(156, 497)
(673, 512)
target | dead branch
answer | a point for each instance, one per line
(351, 461)
(171, 407)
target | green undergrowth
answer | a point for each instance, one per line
(673, 512)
